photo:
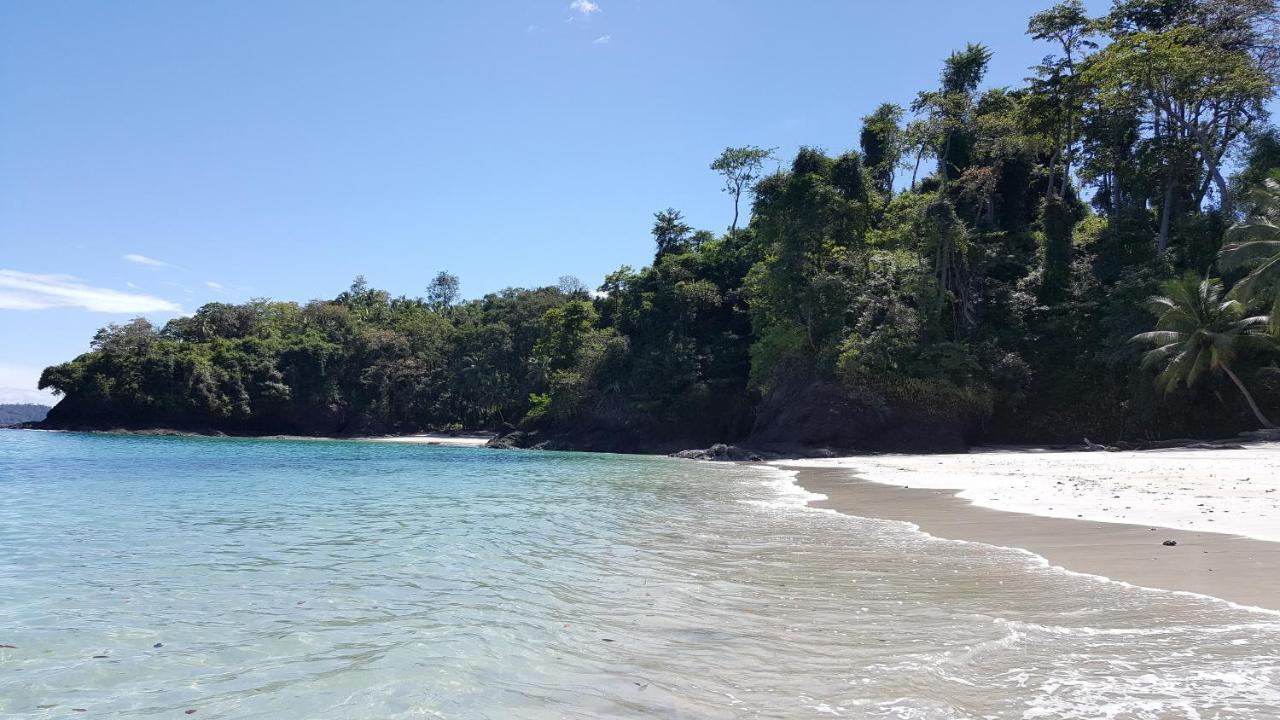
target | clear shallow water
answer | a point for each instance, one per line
(356, 580)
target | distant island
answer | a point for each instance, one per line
(1091, 254)
(14, 413)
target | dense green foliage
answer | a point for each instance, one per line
(996, 292)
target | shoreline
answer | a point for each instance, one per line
(1229, 491)
(459, 439)
(1240, 570)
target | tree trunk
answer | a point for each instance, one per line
(1116, 197)
(1166, 215)
(1224, 192)
(1211, 167)
(1053, 170)
(736, 198)
(1249, 398)
(946, 160)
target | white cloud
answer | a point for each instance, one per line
(144, 260)
(28, 291)
(602, 40)
(212, 284)
(584, 7)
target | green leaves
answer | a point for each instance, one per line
(1199, 330)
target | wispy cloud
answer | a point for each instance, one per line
(602, 40)
(584, 7)
(212, 284)
(28, 291)
(18, 385)
(144, 260)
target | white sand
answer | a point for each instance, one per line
(1224, 491)
(436, 439)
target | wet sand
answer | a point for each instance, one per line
(1234, 568)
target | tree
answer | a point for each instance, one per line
(1198, 331)
(670, 233)
(740, 167)
(882, 145)
(1069, 26)
(570, 285)
(949, 109)
(917, 141)
(1254, 243)
(136, 335)
(1199, 72)
(442, 293)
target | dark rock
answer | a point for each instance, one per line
(514, 440)
(818, 414)
(1169, 543)
(726, 453)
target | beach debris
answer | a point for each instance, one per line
(79, 709)
(158, 645)
(1169, 543)
(99, 657)
(606, 639)
(11, 647)
(191, 711)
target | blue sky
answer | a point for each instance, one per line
(155, 156)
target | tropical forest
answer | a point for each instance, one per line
(1094, 253)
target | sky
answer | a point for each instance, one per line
(156, 156)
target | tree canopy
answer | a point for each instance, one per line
(992, 296)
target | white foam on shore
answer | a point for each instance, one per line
(1235, 492)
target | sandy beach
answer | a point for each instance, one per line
(1100, 513)
(444, 439)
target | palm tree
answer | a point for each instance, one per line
(1198, 330)
(1254, 243)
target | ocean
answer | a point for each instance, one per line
(235, 578)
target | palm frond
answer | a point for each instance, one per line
(1158, 337)
(1242, 251)
(1265, 274)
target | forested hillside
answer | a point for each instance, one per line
(14, 413)
(980, 267)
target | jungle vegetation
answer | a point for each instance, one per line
(983, 255)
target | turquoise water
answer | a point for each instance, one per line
(146, 577)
